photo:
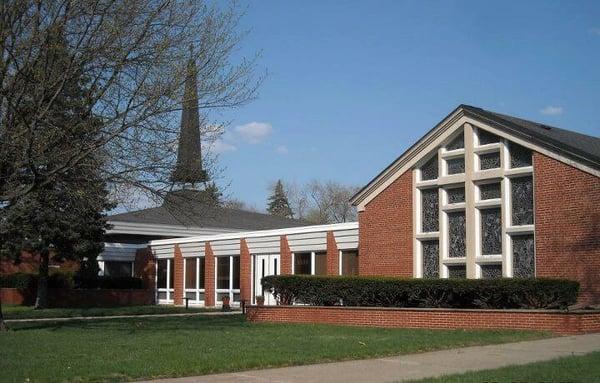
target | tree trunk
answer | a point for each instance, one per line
(41, 301)
(2, 324)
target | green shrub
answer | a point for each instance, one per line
(108, 283)
(61, 280)
(503, 293)
(21, 281)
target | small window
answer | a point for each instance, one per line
(349, 262)
(523, 256)
(457, 271)
(457, 143)
(457, 233)
(162, 274)
(202, 272)
(456, 195)
(222, 272)
(491, 231)
(486, 137)
(118, 269)
(491, 271)
(455, 165)
(429, 210)
(519, 156)
(236, 273)
(429, 171)
(320, 263)
(489, 161)
(431, 257)
(190, 273)
(522, 200)
(489, 191)
(302, 263)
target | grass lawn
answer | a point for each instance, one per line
(124, 349)
(27, 312)
(573, 369)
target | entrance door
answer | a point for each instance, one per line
(264, 265)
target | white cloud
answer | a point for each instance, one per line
(253, 132)
(552, 110)
(595, 31)
(220, 146)
(282, 149)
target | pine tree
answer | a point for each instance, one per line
(278, 202)
(64, 218)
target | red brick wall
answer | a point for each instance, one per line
(385, 242)
(209, 275)
(178, 275)
(554, 321)
(245, 288)
(333, 255)
(567, 225)
(30, 263)
(286, 256)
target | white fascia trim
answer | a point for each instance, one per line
(433, 139)
(120, 227)
(259, 233)
(119, 245)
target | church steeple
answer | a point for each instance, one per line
(188, 169)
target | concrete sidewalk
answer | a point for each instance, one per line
(66, 319)
(414, 366)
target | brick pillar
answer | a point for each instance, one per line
(178, 275)
(209, 276)
(333, 255)
(286, 256)
(145, 267)
(245, 287)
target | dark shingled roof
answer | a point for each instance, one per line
(183, 208)
(580, 147)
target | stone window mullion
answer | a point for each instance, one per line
(470, 190)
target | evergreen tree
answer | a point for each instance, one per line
(278, 202)
(66, 217)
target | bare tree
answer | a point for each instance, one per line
(321, 202)
(130, 57)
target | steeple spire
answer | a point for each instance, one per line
(188, 169)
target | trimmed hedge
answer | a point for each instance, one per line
(68, 280)
(506, 293)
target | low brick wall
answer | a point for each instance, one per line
(14, 297)
(82, 297)
(559, 322)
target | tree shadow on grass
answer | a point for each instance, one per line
(131, 325)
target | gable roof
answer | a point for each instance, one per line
(187, 209)
(575, 146)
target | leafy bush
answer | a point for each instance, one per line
(21, 281)
(108, 283)
(443, 293)
(61, 280)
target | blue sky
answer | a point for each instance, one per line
(352, 84)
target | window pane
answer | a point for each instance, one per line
(222, 272)
(457, 271)
(491, 271)
(202, 274)
(523, 256)
(429, 171)
(190, 273)
(117, 269)
(162, 295)
(519, 156)
(457, 143)
(457, 234)
(320, 263)
(456, 165)
(236, 272)
(522, 201)
(220, 296)
(349, 262)
(431, 256)
(190, 295)
(456, 195)
(489, 191)
(171, 273)
(302, 263)
(429, 210)
(491, 231)
(489, 161)
(486, 137)
(162, 274)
